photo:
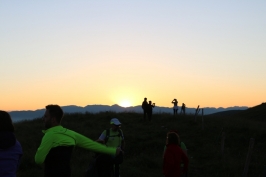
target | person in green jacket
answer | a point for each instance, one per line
(114, 137)
(58, 142)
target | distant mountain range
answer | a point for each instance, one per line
(29, 115)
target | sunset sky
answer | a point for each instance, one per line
(207, 53)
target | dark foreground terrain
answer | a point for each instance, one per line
(145, 142)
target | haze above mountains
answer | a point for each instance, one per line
(28, 115)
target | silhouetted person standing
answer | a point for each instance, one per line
(183, 109)
(149, 110)
(175, 108)
(144, 107)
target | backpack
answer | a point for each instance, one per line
(120, 134)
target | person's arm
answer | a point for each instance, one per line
(43, 149)
(101, 139)
(86, 143)
(123, 143)
(183, 147)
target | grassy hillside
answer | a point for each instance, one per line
(256, 113)
(226, 113)
(145, 142)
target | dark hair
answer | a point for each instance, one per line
(177, 132)
(55, 111)
(174, 131)
(6, 122)
(173, 138)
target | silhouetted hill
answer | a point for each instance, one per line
(255, 113)
(28, 115)
(226, 113)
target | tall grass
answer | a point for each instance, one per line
(145, 142)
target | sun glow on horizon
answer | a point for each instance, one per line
(125, 103)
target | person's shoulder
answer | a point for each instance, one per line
(183, 146)
(18, 146)
(18, 143)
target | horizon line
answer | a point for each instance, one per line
(126, 107)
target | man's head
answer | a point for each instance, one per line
(53, 116)
(6, 122)
(145, 99)
(115, 123)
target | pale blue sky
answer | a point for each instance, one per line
(108, 52)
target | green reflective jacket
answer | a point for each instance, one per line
(60, 136)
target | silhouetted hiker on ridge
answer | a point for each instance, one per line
(144, 107)
(175, 108)
(183, 109)
(149, 110)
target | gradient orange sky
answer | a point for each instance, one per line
(82, 53)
